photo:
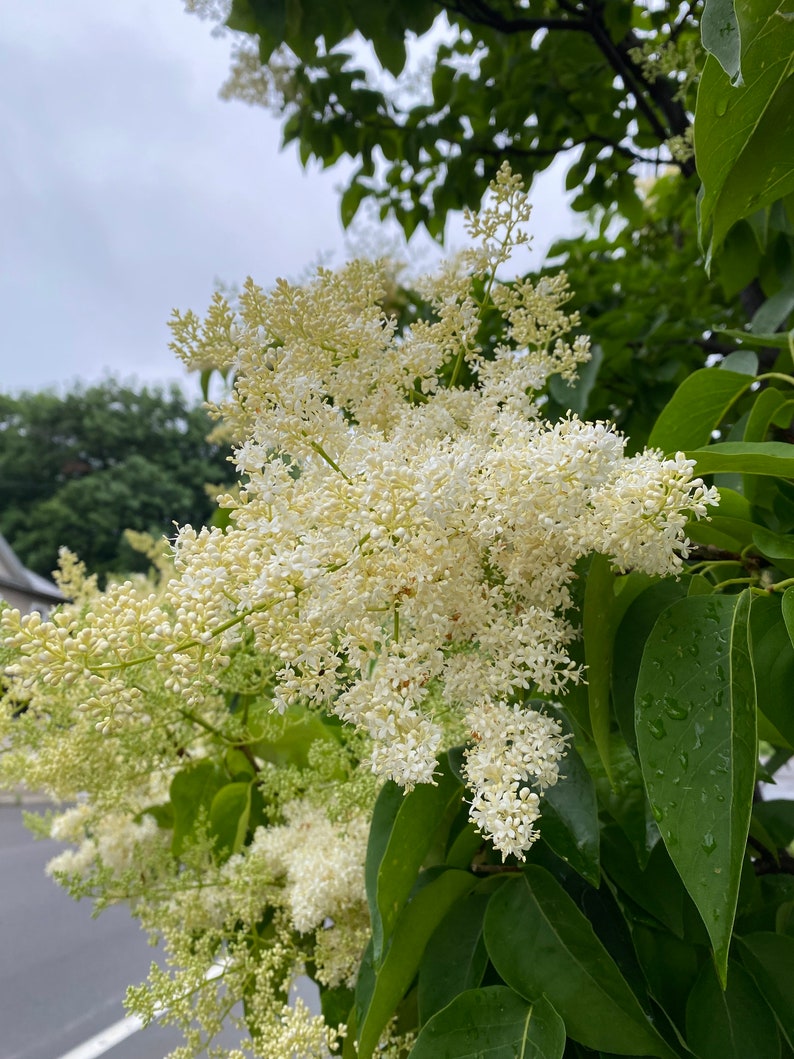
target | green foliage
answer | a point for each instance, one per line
(612, 89)
(78, 470)
(700, 787)
(655, 914)
(653, 917)
(402, 832)
(495, 1021)
(523, 85)
(558, 955)
(745, 132)
(646, 302)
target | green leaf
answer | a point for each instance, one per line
(770, 959)
(744, 136)
(732, 1024)
(774, 458)
(719, 31)
(351, 200)
(743, 361)
(773, 341)
(787, 609)
(657, 887)
(775, 311)
(378, 995)
(456, 957)
(778, 547)
(556, 954)
(607, 597)
(191, 793)
(495, 1022)
(697, 408)
(402, 831)
(574, 396)
(670, 967)
(777, 817)
(729, 534)
(570, 818)
(631, 635)
(624, 799)
(773, 663)
(229, 813)
(238, 764)
(695, 721)
(768, 408)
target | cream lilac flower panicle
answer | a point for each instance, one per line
(513, 757)
(395, 533)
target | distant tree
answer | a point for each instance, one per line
(78, 470)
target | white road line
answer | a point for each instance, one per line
(107, 1039)
(111, 1036)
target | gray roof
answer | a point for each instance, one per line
(15, 576)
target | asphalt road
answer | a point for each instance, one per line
(63, 975)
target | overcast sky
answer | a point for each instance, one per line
(128, 188)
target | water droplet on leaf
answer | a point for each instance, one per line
(708, 844)
(675, 709)
(657, 729)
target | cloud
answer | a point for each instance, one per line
(128, 188)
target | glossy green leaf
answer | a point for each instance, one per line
(378, 995)
(606, 599)
(771, 408)
(697, 408)
(770, 960)
(719, 31)
(787, 610)
(777, 817)
(744, 136)
(191, 793)
(695, 721)
(774, 312)
(738, 457)
(456, 957)
(757, 341)
(556, 954)
(743, 361)
(493, 1022)
(779, 547)
(657, 887)
(765, 411)
(773, 663)
(624, 799)
(570, 818)
(728, 534)
(633, 631)
(229, 813)
(670, 966)
(732, 1024)
(402, 831)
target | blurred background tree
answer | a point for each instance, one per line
(78, 470)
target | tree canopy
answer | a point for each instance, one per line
(78, 470)
(610, 86)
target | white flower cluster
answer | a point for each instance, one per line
(398, 538)
(322, 864)
(511, 749)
